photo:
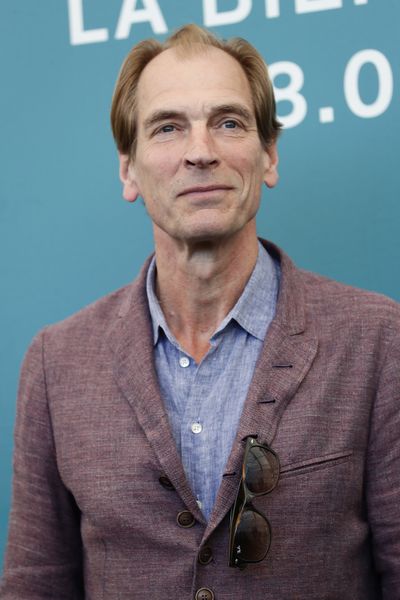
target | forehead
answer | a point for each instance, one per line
(173, 81)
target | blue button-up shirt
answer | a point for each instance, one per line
(204, 401)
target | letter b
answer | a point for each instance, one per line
(227, 17)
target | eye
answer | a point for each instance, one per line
(230, 124)
(168, 128)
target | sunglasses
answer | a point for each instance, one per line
(249, 530)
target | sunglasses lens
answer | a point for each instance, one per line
(262, 470)
(253, 536)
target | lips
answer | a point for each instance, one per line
(199, 189)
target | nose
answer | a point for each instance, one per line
(200, 151)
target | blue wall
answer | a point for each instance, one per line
(67, 237)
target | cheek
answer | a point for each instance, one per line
(158, 169)
(252, 172)
(247, 160)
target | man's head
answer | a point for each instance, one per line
(190, 39)
(196, 135)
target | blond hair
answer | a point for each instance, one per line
(188, 40)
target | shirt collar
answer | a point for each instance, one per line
(157, 316)
(254, 310)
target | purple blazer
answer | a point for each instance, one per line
(101, 505)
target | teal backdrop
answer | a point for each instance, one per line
(66, 235)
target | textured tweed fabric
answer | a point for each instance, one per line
(90, 518)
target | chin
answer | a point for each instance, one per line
(207, 229)
(212, 233)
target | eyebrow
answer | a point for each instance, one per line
(236, 109)
(215, 111)
(161, 115)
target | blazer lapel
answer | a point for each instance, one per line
(130, 340)
(287, 356)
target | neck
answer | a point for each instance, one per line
(199, 283)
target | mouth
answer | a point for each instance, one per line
(204, 189)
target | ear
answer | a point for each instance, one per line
(271, 165)
(127, 176)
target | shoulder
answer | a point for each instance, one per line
(328, 297)
(325, 303)
(346, 317)
(88, 329)
(99, 313)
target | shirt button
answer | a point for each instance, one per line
(204, 594)
(197, 428)
(185, 519)
(184, 361)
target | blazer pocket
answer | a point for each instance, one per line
(315, 464)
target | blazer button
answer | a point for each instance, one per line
(204, 594)
(205, 555)
(185, 519)
(165, 482)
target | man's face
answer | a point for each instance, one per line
(199, 163)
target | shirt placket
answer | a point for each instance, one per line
(196, 436)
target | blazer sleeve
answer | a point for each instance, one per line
(44, 553)
(383, 474)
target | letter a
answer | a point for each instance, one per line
(213, 17)
(129, 15)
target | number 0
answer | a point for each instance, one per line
(385, 83)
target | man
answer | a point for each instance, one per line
(222, 378)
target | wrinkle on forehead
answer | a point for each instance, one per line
(172, 77)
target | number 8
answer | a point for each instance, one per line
(290, 92)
